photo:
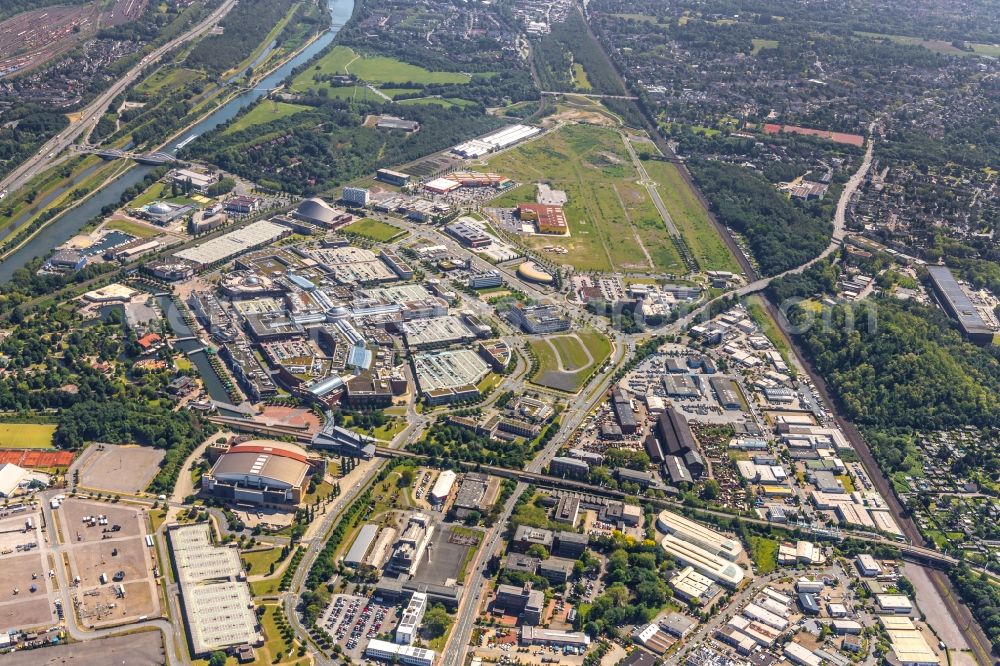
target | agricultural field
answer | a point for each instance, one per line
(265, 112)
(691, 218)
(613, 223)
(373, 229)
(26, 435)
(761, 44)
(565, 361)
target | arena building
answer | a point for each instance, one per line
(262, 472)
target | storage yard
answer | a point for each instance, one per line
(120, 469)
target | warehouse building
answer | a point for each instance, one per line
(468, 233)
(396, 178)
(706, 563)
(263, 473)
(908, 645)
(495, 141)
(357, 555)
(216, 600)
(726, 392)
(959, 306)
(228, 246)
(553, 637)
(699, 535)
(689, 585)
(547, 219)
(897, 604)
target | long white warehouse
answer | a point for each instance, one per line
(701, 536)
(704, 562)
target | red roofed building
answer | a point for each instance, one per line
(548, 219)
(148, 341)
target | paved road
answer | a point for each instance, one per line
(650, 185)
(89, 115)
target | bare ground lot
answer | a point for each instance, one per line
(73, 511)
(25, 609)
(933, 607)
(102, 606)
(121, 469)
(141, 649)
(34, 612)
(92, 559)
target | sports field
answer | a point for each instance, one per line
(265, 112)
(373, 229)
(26, 435)
(566, 360)
(613, 223)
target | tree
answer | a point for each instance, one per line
(710, 490)
(218, 658)
(406, 476)
(539, 551)
(436, 621)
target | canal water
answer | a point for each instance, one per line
(69, 224)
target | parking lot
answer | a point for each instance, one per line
(354, 620)
(24, 581)
(120, 469)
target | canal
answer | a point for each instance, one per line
(70, 224)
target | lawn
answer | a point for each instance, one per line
(580, 80)
(574, 358)
(258, 562)
(613, 225)
(266, 587)
(374, 69)
(275, 643)
(390, 429)
(153, 193)
(26, 435)
(761, 44)
(133, 228)
(691, 218)
(373, 229)
(471, 552)
(938, 45)
(764, 553)
(265, 112)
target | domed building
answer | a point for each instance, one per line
(530, 272)
(160, 208)
(263, 472)
(316, 211)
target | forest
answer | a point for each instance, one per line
(292, 154)
(20, 139)
(900, 367)
(780, 233)
(570, 42)
(983, 599)
(244, 28)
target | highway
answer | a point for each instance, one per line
(89, 115)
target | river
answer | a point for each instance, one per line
(70, 224)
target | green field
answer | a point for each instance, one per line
(761, 44)
(565, 364)
(691, 218)
(260, 561)
(26, 435)
(580, 80)
(265, 112)
(764, 553)
(613, 224)
(133, 228)
(373, 69)
(153, 193)
(446, 102)
(938, 45)
(373, 229)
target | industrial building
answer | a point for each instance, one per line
(959, 306)
(867, 565)
(688, 584)
(538, 636)
(396, 178)
(726, 392)
(897, 604)
(538, 318)
(395, 123)
(470, 494)
(468, 233)
(411, 545)
(409, 622)
(442, 487)
(496, 141)
(263, 473)
(216, 599)
(705, 562)
(356, 556)
(699, 535)
(908, 645)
